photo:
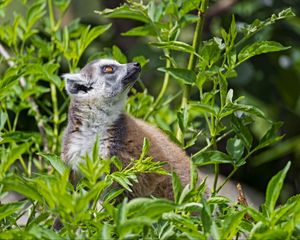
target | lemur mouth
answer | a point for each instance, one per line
(133, 72)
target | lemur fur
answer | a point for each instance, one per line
(98, 95)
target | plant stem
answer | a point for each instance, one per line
(192, 61)
(23, 165)
(214, 145)
(55, 116)
(16, 120)
(51, 15)
(52, 85)
(216, 172)
(227, 179)
(163, 88)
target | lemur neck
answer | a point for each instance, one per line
(96, 114)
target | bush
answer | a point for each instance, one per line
(37, 47)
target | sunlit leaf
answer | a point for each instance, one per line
(125, 11)
(181, 74)
(274, 188)
(242, 132)
(211, 157)
(174, 45)
(10, 208)
(235, 148)
(118, 55)
(258, 48)
(56, 162)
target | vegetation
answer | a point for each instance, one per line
(38, 46)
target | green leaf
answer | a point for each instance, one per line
(17, 184)
(188, 6)
(7, 83)
(235, 148)
(270, 136)
(10, 208)
(15, 234)
(256, 215)
(122, 180)
(56, 162)
(177, 186)
(218, 200)
(117, 162)
(274, 188)
(210, 53)
(112, 195)
(230, 108)
(172, 136)
(18, 136)
(288, 12)
(126, 12)
(271, 234)
(151, 10)
(174, 45)
(242, 132)
(258, 48)
(230, 226)
(3, 118)
(151, 208)
(140, 31)
(206, 217)
(89, 34)
(181, 74)
(118, 55)
(35, 13)
(141, 60)
(223, 85)
(134, 225)
(286, 210)
(41, 232)
(184, 224)
(211, 157)
(232, 31)
(203, 108)
(62, 4)
(145, 149)
(13, 155)
(182, 117)
(106, 232)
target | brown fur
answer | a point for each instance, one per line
(127, 141)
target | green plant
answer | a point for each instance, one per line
(210, 64)
(36, 47)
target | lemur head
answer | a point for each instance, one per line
(102, 79)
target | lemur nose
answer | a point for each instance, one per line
(136, 64)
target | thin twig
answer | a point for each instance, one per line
(34, 106)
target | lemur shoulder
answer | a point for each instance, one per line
(98, 95)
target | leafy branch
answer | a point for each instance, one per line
(34, 105)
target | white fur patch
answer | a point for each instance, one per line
(96, 124)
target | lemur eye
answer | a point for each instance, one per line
(108, 69)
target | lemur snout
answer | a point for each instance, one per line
(134, 65)
(133, 70)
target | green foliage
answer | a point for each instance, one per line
(39, 46)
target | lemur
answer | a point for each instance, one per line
(98, 96)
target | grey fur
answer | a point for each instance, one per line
(96, 108)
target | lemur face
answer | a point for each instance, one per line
(103, 78)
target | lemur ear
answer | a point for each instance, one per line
(75, 83)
